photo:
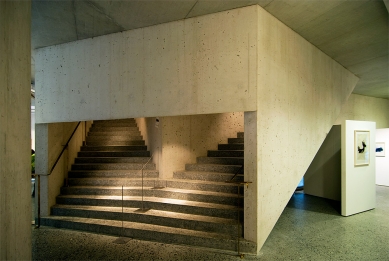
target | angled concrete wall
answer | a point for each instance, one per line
(300, 94)
(15, 143)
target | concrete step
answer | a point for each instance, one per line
(231, 146)
(221, 160)
(129, 120)
(112, 160)
(207, 185)
(134, 132)
(151, 232)
(165, 204)
(214, 168)
(112, 166)
(161, 218)
(172, 193)
(139, 153)
(113, 138)
(113, 148)
(136, 173)
(113, 124)
(117, 181)
(240, 135)
(206, 176)
(115, 143)
(225, 153)
(235, 141)
(112, 129)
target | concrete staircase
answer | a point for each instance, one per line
(197, 207)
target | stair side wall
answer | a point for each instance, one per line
(50, 139)
(300, 94)
(181, 139)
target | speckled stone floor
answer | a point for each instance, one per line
(310, 228)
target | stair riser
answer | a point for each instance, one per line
(114, 133)
(112, 160)
(228, 229)
(140, 153)
(159, 193)
(240, 135)
(112, 182)
(115, 143)
(226, 188)
(231, 147)
(112, 174)
(114, 148)
(222, 161)
(155, 236)
(235, 141)
(112, 166)
(130, 120)
(214, 168)
(112, 129)
(113, 138)
(114, 124)
(195, 210)
(225, 153)
(220, 177)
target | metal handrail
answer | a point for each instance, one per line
(236, 174)
(50, 172)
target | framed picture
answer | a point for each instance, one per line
(380, 149)
(361, 147)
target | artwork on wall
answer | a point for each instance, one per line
(380, 149)
(361, 147)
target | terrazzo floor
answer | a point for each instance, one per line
(309, 228)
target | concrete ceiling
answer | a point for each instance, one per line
(352, 32)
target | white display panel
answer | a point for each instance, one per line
(358, 166)
(382, 157)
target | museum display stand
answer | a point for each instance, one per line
(358, 167)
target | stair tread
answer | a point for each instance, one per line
(145, 226)
(169, 189)
(156, 199)
(152, 212)
(209, 172)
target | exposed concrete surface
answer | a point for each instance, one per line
(15, 142)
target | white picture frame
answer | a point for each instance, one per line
(361, 147)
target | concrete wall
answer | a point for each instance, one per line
(181, 139)
(363, 108)
(199, 65)
(323, 177)
(51, 139)
(15, 142)
(300, 95)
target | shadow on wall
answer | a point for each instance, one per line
(302, 201)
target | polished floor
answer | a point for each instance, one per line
(310, 228)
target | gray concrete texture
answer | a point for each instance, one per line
(310, 228)
(354, 33)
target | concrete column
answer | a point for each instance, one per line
(42, 165)
(15, 154)
(250, 175)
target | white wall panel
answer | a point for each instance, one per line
(358, 181)
(382, 163)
